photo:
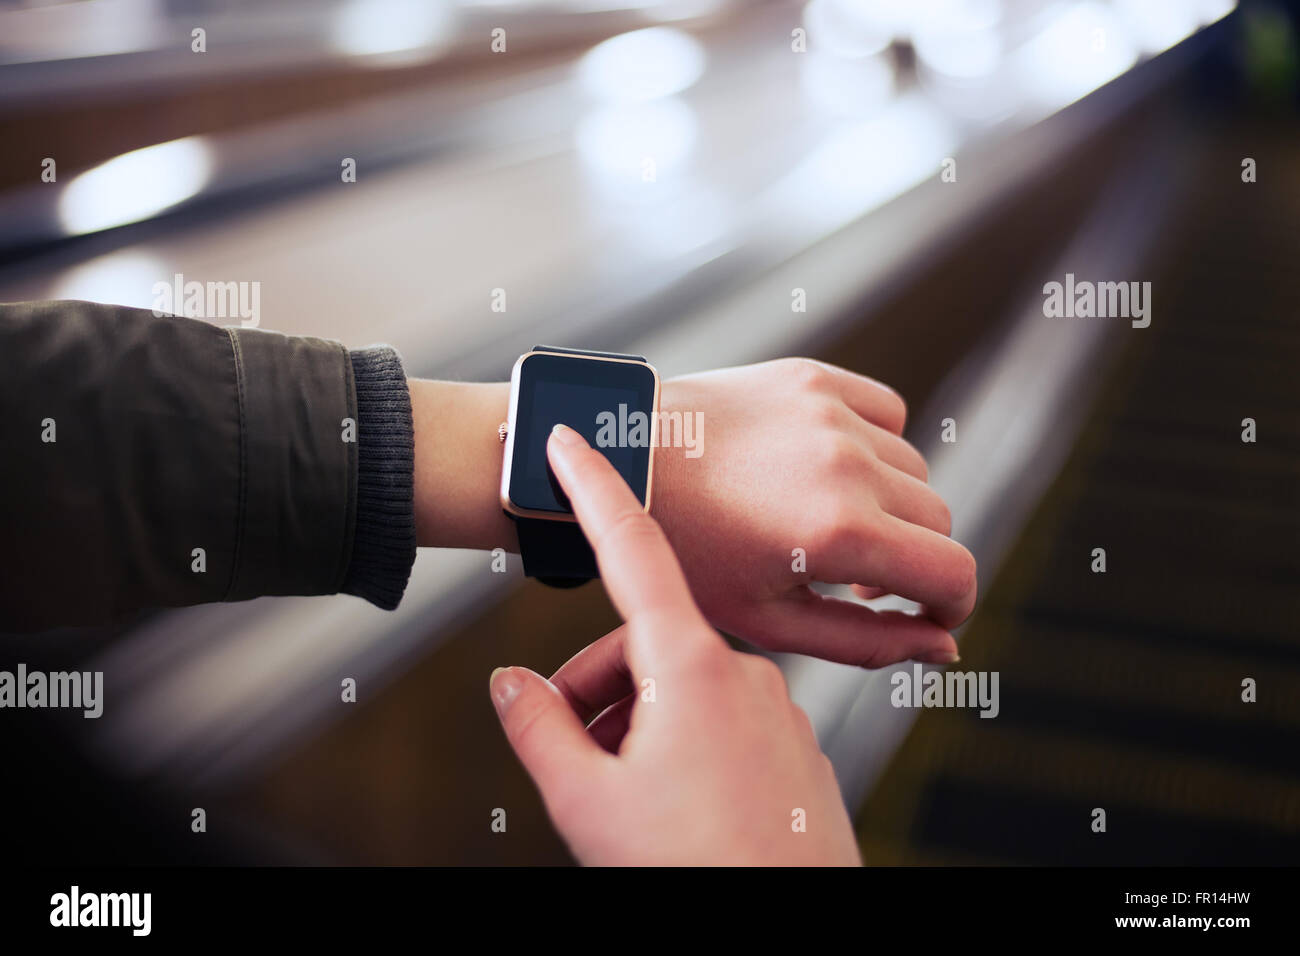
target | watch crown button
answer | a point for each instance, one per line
(502, 431)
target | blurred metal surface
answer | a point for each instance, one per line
(78, 48)
(1126, 690)
(1020, 407)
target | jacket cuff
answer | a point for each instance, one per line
(383, 543)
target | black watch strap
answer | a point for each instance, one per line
(557, 552)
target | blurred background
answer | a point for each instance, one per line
(664, 177)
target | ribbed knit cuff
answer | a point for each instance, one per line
(383, 547)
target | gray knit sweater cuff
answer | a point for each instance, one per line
(383, 547)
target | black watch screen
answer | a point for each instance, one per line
(610, 403)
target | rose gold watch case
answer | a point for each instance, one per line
(509, 506)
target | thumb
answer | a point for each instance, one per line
(546, 735)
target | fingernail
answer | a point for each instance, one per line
(940, 657)
(567, 436)
(504, 687)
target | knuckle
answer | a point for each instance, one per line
(715, 663)
(826, 413)
(633, 529)
(877, 656)
(767, 674)
(842, 455)
(694, 651)
(810, 375)
(709, 661)
(847, 528)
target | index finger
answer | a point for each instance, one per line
(636, 562)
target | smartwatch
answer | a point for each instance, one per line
(613, 401)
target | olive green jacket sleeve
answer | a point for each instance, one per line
(161, 461)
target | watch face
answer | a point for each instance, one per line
(611, 403)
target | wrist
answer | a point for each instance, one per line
(458, 465)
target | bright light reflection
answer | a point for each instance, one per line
(962, 54)
(663, 11)
(636, 146)
(119, 278)
(960, 59)
(892, 18)
(846, 87)
(835, 27)
(642, 65)
(1212, 10)
(135, 185)
(1158, 24)
(864, 165)
(1084, 47)
(391, 30)
(963, 15)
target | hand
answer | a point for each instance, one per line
(799, 454)
(718, 769)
